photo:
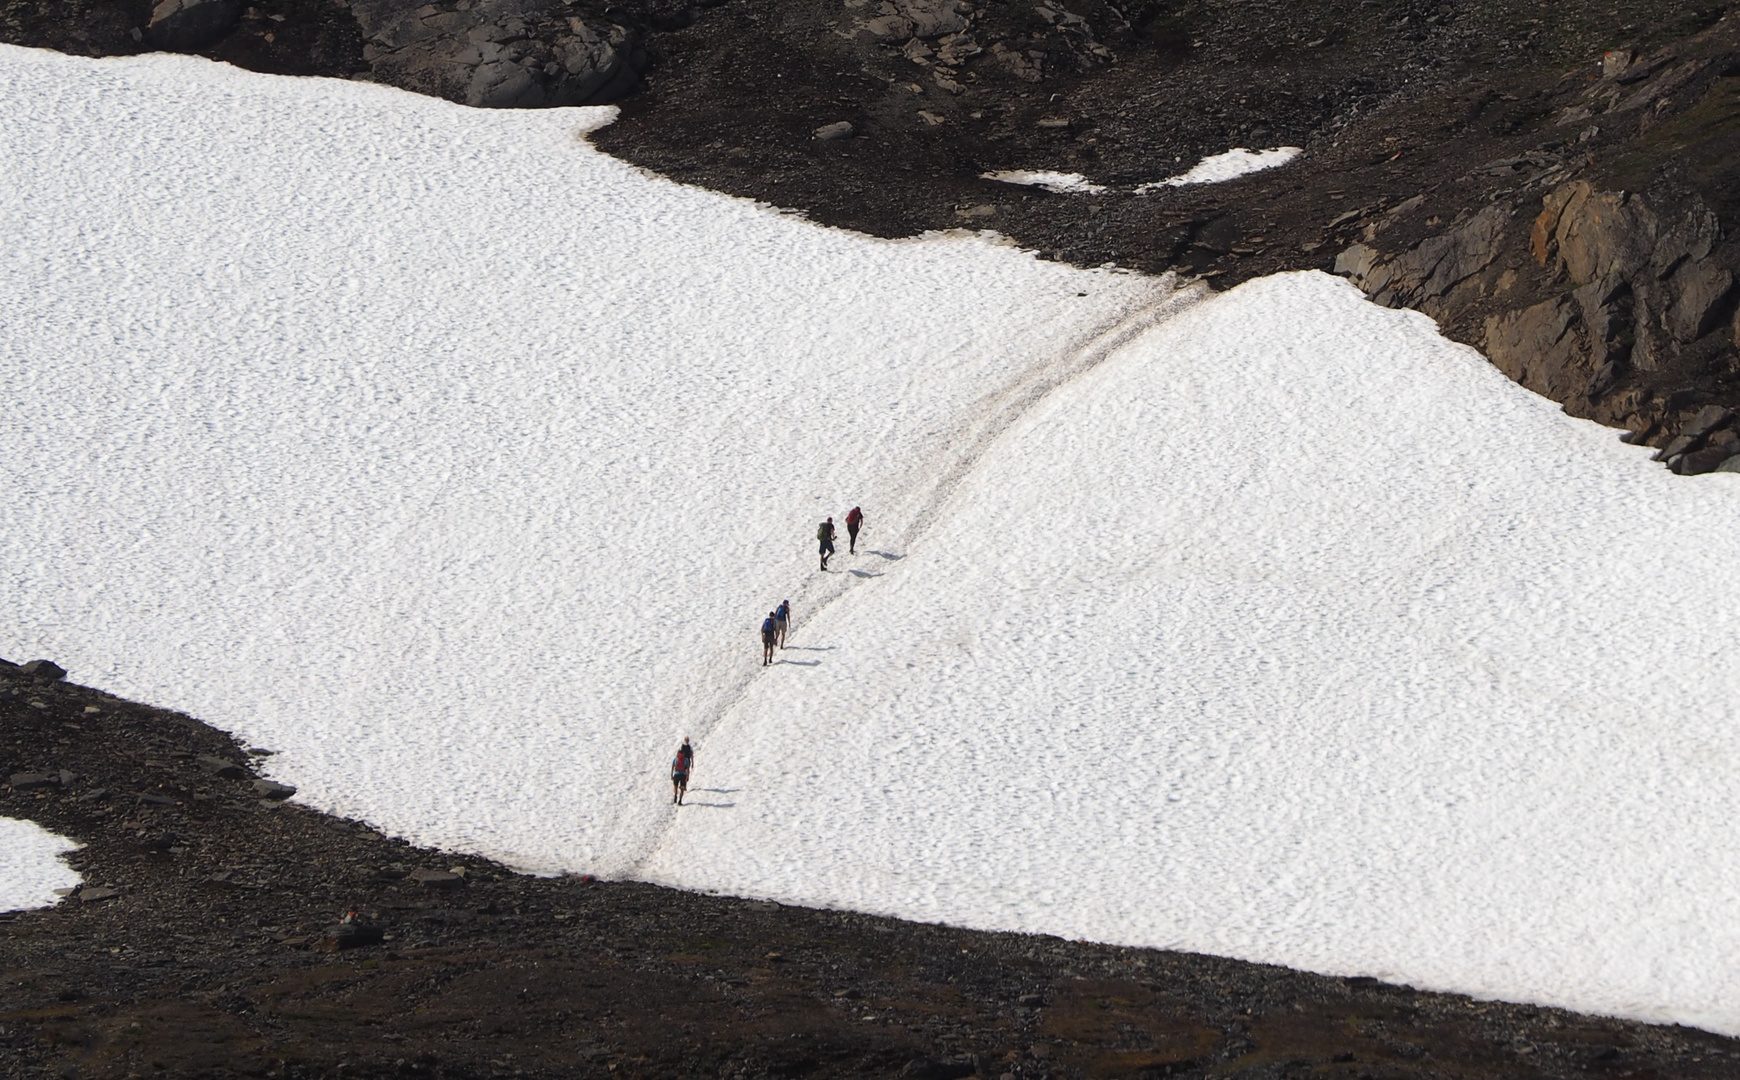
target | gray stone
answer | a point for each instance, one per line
(924, 1068)
(1607, 321)
(437, 879)
(1698, 462)
(830, 132)
(1708, 419)
(91, 894)
(183, 25)
(273, 790)
(217, 766)
(1678, 446)
(355, 935)
(505, 85)
(1357, 262)
(43, 669)
(1692, 239)
(1730, 465)
(1700, 289)
(68, 778)
(156, 800)
(1431, 268)
(29, 781)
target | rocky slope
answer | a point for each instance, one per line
(209, 939)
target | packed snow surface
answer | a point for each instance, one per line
(1228, 166)
(1062, 183)
(460, 462)
(31, 868)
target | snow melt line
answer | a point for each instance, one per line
(1002, 410)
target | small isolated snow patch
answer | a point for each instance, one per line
(30, 865)
(1228, 166)
(1062, 183)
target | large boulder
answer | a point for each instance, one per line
(1594, 233)
(1535, 346)
(43, 669)
(498, 54)
(185, 25)
(1699, 290)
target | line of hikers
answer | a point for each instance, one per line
(778, 620)
(773, 630)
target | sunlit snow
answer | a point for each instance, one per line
(31, 867)
(1228, 166)
(459, 462)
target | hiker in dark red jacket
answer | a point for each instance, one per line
(854, 522)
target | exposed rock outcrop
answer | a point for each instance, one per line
(498, 54)
(183, 25)
(1627, 304)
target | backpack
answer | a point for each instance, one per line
(854, 517)
(824, 531)
(767, 626)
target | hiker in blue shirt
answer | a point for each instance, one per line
(782, 617)
(769, 633)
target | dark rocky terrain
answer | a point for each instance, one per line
(1555, 181)
(208, 940)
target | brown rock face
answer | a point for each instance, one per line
(1626, 299)
(1537, 347)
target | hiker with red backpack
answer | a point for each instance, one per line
(854, 522)
(680, 766)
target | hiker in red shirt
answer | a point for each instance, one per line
(680, 766)
(854, 522)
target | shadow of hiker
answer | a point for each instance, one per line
(886, 555)
(803, 663)
(865, 573)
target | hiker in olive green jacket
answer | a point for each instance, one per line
(825, 536)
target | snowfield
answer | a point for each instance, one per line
(31, 867)
(458, 462)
